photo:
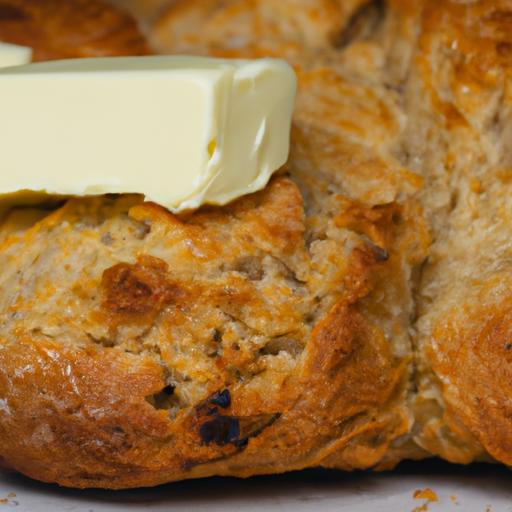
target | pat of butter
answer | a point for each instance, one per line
(14, 55)
(183, 131)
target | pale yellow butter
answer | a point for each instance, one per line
(183, 131)
(14, 55)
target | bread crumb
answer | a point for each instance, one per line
(425, 494)
(8, 499)
(422, 508)
(454, 499)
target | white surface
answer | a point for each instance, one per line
(479, 489)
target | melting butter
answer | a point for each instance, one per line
(183, 131)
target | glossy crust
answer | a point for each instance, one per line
(59, 29)
(352, 314)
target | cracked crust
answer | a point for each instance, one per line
(177, 312)
(352, 314)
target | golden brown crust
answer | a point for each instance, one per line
(278, 407)
(58, 29)
(74, 431)
(252, 28)
(463, 77)
(474, 363)
(136, 293)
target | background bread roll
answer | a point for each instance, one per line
(58, 29)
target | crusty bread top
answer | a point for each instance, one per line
(294, 302)
(58, 29)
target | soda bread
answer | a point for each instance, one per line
(354, 313)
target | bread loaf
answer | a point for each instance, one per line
(353, 314)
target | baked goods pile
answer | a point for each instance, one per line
(355, 313)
